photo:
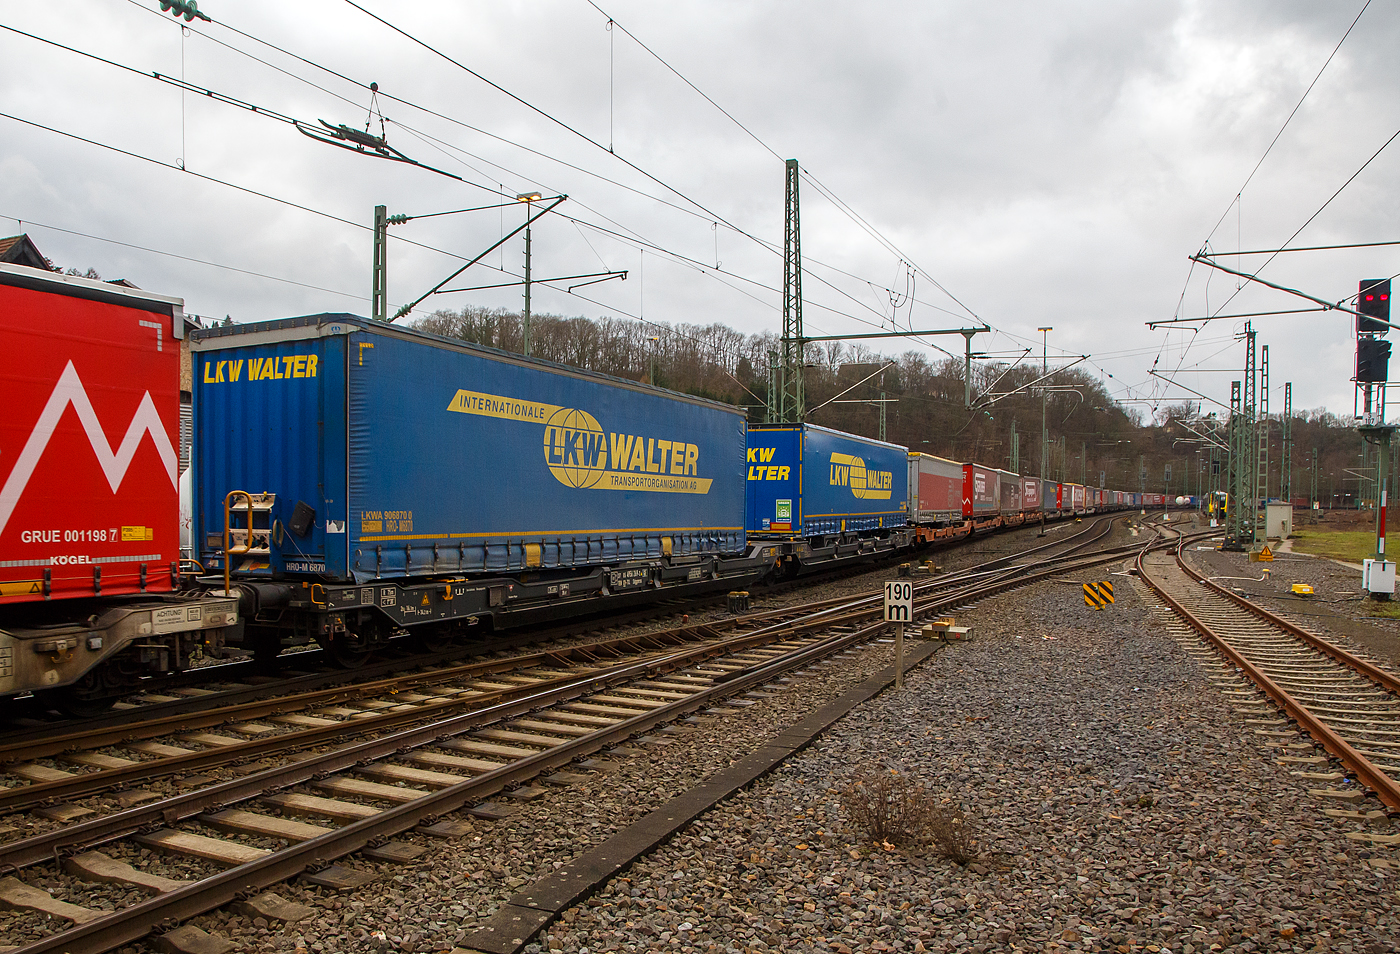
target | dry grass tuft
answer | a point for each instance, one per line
(886, 807)
(953, 834)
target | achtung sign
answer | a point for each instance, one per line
(1098, 595)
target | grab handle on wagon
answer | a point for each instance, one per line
(252, 503)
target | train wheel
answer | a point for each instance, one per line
(87, 698)
(434, 639)
(349, 651)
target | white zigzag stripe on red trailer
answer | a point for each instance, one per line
(70, 390)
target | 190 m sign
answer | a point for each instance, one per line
(899, 601)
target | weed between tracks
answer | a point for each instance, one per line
(888, 807)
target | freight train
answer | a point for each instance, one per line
(352, 482)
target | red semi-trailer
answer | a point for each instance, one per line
(89, 506)
(1030, 493)
(88, 458)
(935, 490)
(981, 497)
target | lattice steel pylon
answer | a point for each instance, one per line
(792, 403)
(1242, 516)
(1286, 461)
(1234, 428)
(1262, 429)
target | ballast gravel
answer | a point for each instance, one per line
(1124, 805)
(1338, 608)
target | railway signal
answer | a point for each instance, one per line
(1373, 302)
(1372, 360)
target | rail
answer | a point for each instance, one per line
(1385, 788)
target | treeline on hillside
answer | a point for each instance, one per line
(1091, 436)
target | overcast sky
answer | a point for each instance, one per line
(1046, 163)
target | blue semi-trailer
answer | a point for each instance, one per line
(385, 478)
(824, 493)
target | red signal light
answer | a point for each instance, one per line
(1373, 303)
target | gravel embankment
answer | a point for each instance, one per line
(1124, 807)
(1338, 609)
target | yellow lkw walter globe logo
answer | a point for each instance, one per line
(575, 448)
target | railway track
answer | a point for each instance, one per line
(1347, 705)
(360, 774)
(246, 690)
(225, 684)
(45, 773)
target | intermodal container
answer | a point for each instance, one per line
(1076, 493)
(90, 387)
(1049, 496)
(810, 481)
(1030, 493)
(935, 489)
(1010, 491)
(396, 454)
(981, 495)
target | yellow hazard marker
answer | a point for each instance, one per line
(1266, 555)
(1091, 596)
(1302, 589)
(1098, 595)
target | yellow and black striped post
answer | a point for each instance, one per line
(1098, 595)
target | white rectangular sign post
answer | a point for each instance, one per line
(899, 609)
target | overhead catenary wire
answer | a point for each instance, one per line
(183, 258)
(298, 206)
(631, 236)
(421, 135)
(581, 135)
(1293, 112)
(324, 133)
(1249, 178)
(550, 117)
(282, 117)
(295, 205)
(821, 187)
(443, 145)
(262, 111)
(223, 182)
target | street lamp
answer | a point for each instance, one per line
(527, 198)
